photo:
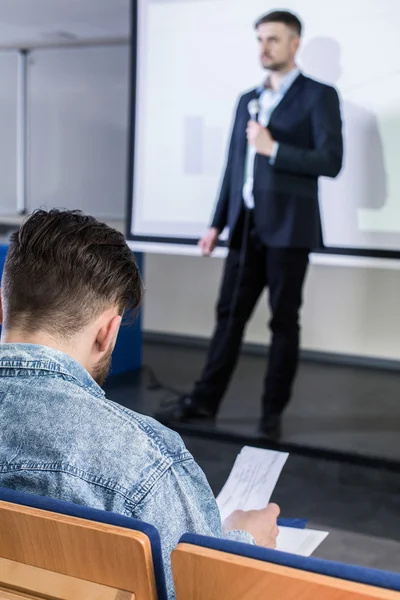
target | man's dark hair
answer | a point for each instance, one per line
(281, 16)
(63, 269)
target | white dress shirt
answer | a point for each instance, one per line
(269, 100)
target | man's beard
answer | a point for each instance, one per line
(100, 371)
(276, 66)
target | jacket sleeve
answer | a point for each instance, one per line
(325, 159)
(220, 217)
(182, 502)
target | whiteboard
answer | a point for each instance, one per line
(195, 57)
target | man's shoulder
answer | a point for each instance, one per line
(138, 450)
(308, 83)
(105, 449)
(92, 432)
(248, 95)
(314, 86)
(244, 99)
(162, 440)
(88, 420)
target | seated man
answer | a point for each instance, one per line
(67, 281)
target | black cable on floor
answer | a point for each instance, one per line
(155, 384)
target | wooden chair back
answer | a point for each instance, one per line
(57, 557)
(206, 574)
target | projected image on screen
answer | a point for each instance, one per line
(195, 57)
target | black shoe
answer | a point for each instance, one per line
(271, 427)
(183, 410)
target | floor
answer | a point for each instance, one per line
(351, 412)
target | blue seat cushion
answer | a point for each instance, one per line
(373, 577)
(296, 523)
(100, 516)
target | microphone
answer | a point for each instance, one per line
(254, 108)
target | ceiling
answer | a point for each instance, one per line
(30, 22)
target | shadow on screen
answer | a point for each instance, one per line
(363, 180)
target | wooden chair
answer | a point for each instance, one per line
(210, 569)
(53, 555)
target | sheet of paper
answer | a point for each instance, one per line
(299, 541)
(251, 481)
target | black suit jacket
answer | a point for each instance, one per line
(307, 124)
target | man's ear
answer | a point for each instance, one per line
(108, 332)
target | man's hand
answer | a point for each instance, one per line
(260, 138)
(209, 241)
(260, 523)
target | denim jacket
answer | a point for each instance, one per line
(60, 437)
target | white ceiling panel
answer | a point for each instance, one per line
(29, 22)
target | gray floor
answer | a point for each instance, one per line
(343, 408)
(347, 409)
(353, 548)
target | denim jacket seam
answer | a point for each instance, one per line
(46, 366)
(90, 478)
(53, 373)
(16, 363)
(132, 498)
(155, 437)
(182, 457)
(136, 497)
(129, 416)
(158, 474)
(132, 419)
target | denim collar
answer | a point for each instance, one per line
(34, 357)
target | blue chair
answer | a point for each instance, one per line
(77, 542)
(209, 569)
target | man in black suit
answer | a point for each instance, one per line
(286, 134)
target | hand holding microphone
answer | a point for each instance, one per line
(254, 108)
(257, 135)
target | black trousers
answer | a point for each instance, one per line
(249, 268)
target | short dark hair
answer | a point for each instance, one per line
(281, 16)
(64, 268)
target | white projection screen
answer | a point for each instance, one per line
(190, 61)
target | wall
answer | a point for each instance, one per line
(78, 108)
(347, 310)
(77, 129)
(8, 137)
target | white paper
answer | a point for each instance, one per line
(299, 541)
(251, 481)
